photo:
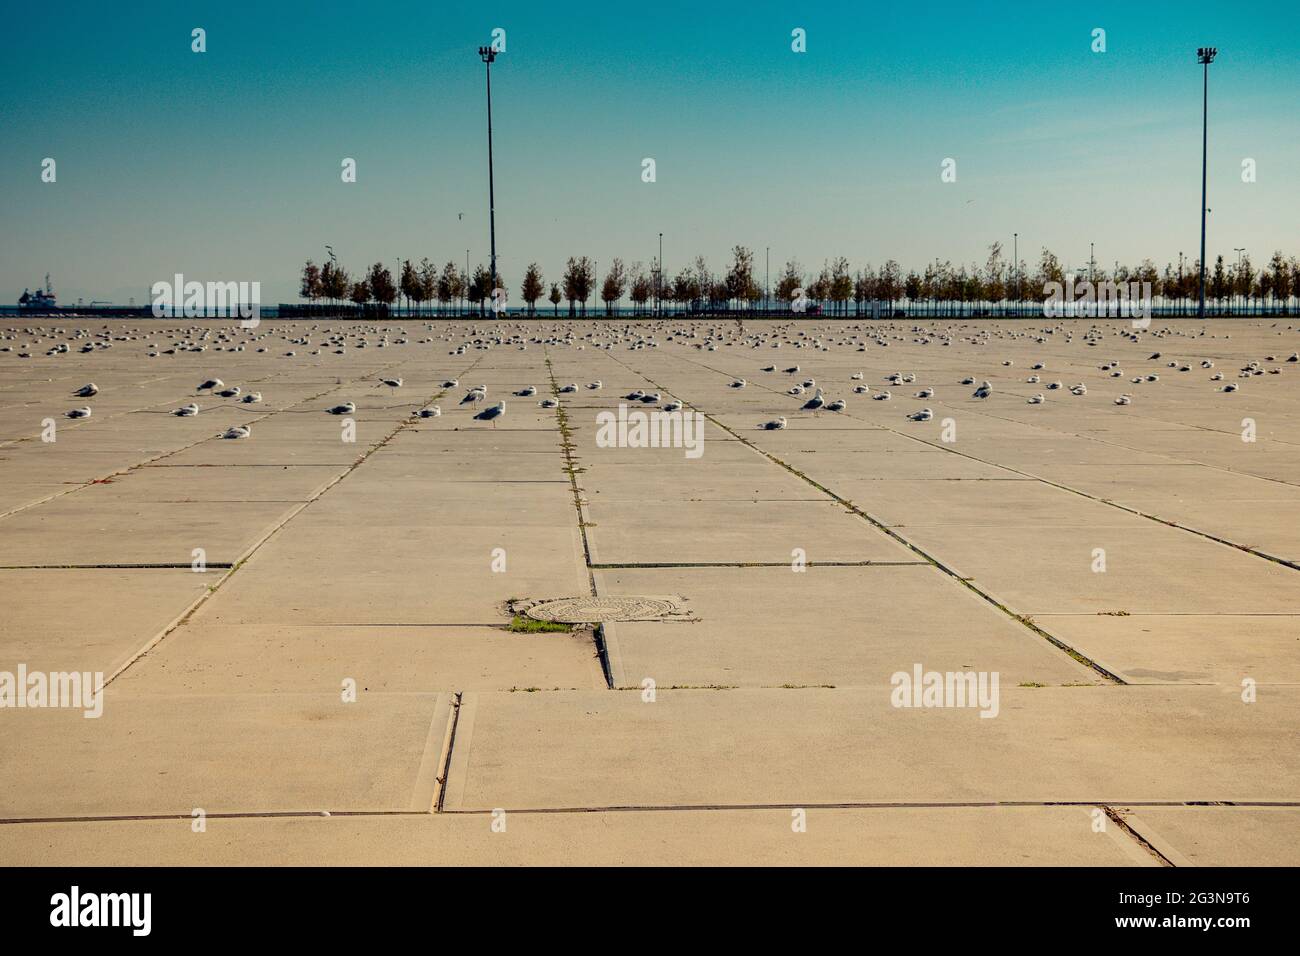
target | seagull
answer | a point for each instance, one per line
(1053, 386)
(768, 368)
(651, 398)
(1079, 389)
(882, 396)
(450, 383)
(252, 398)
(79, 413)
(924, 415)
(528, 391)
(796, 390)
(835, 406)
(984, 391)
(187, 411)
(860, 389)
(1037, 399)
(1230, 387)
(433, 411)
(474, 395)
(238, 431)
(635, 396)
(815, 403)
(87, 390)
(230, 392)
(925, 393)
(571, 387)
(738, 383)
(673, 406)
(347, 408)
(392, 383)
(967, 381)
(774, 425)
(596, 384)
(492, 413)
(210, 384)
(549, 403)
(855, 377)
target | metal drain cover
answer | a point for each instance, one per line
(599, 610)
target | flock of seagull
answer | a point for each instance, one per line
(703, 335)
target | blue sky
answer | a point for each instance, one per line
(225, 165)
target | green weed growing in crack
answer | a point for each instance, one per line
(526, 625)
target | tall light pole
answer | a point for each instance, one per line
(1092, 262)
(659, 286)
(487, 54)
(1180, 283)
(1238, 251)
(1205, 56)
(1015, 254)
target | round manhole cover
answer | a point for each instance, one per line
(598, 610)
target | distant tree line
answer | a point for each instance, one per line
(941, 288)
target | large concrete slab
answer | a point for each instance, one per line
(684, 531)
(226, 753)
(744, 747)
(90, 620)
(1186, 648)
(203, 657)
(1221, 836)
(749, 627)
(933, 836)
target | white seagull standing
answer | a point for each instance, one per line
(492, 413)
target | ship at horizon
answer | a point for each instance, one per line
(40, 299)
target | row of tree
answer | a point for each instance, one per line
(940, 288)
